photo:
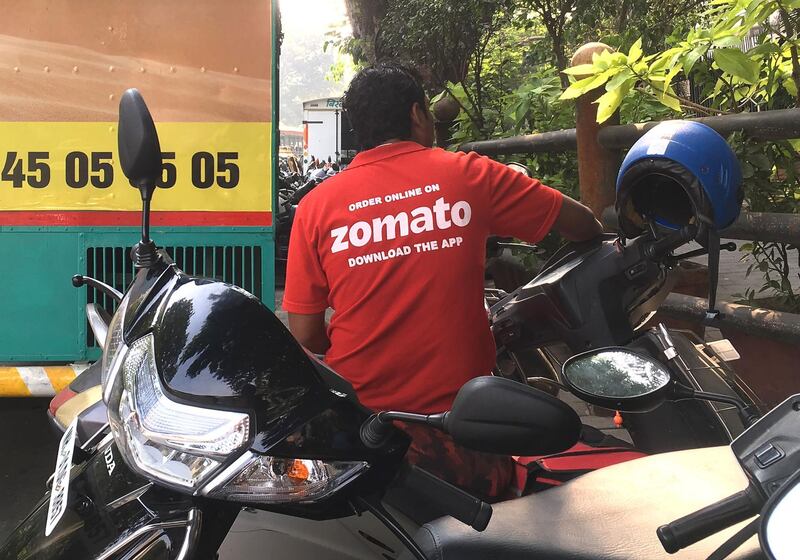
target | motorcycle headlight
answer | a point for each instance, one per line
(188, 446)
(171, 442)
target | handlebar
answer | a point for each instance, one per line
(79, 280)
(711, 519)
(303, 190)
(662, 246)
(452, 500)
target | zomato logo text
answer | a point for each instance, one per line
(440, 216)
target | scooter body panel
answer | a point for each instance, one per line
(107, 505)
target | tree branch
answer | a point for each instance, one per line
(467, 111)
(787, 24)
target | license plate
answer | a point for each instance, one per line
(60, 489)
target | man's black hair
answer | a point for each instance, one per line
(379, 100)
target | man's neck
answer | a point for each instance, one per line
(390, 141)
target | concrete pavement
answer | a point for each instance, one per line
(28, 447)
(733, 277)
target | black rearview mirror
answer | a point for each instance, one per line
(497, 415)
(618, 378)
(139, 149)
(140, 157)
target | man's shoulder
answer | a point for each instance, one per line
(447, 155)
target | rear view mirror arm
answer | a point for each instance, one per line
(79, 280)
(747, 415)
(377, 428)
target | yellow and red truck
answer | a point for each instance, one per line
(208, 70)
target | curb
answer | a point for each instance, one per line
(36, 381)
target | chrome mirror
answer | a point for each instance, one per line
(617, 378)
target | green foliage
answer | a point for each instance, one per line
(771, 185)
(733, 79)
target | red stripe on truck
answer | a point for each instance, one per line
(125, 218)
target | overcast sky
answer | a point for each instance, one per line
(297, 15)
(303, 64)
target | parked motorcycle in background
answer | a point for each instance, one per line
(292, 188)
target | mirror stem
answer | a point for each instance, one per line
(145, 253)
(375, 431)
(748, 416)
(432, 420)
(533, 381)
(145, 221)
(745, 413)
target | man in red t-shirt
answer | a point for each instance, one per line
(395, 245)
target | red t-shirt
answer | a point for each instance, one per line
(395, 245)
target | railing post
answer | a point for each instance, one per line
(597, 166)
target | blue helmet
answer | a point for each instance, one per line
(679, 172)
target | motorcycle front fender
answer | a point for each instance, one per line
(111, 513)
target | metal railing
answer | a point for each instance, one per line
(599, 148)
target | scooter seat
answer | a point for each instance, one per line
(608, 514)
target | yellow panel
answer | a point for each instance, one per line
(218, 167)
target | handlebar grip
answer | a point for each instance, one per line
(302, 191)
(664, 245)
(455, 502)
(705, 522)
(79, 280)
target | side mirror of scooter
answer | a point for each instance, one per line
(493, 415)
(497, 415)
(778, 530)
(139, 148)
(140, 157)
(618, 378)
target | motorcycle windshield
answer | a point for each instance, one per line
(111, 512)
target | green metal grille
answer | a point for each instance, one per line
(235, 264)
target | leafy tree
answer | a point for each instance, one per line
(446, 40)
(554, 16)
(744, 57)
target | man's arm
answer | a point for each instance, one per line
(575, 222)
(525, 208)
(310, 331)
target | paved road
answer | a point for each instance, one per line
(732, 273)
(28, 447)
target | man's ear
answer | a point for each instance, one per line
(421, 125)
(419, 116)
(415, 115)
